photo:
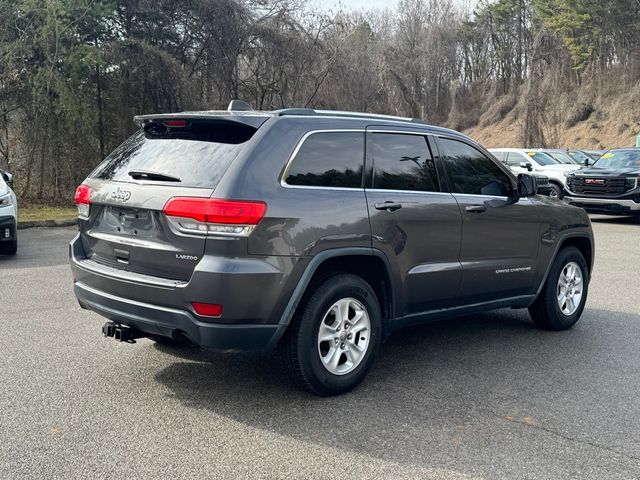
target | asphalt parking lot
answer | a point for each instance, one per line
(487, 396)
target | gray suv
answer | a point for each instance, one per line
(317, 232)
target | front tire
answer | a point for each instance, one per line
(562, 299)
(335, 336)
(555, 191)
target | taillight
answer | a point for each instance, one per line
(83, 200)
(214, 216)
(207, 309)
(175, 123)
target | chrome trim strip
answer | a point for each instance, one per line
(603, 201)
(502, 197)
(416, 192)
(96, 268)
(134, 242)
(435, 267)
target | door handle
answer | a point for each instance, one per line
(389, 206)
(475, 208)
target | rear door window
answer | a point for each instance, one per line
(328, 159)
(403, 162)
(197, 155)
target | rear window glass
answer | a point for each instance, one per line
(328, 159)
(198, 155)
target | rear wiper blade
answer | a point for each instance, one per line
(149, 175)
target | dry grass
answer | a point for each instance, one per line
(43, 212)
(614, 122)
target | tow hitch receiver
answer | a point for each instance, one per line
(122, 333)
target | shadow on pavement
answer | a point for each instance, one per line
(613, 220)
(438, 388)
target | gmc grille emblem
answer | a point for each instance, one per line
(594, 181)
(119, 194)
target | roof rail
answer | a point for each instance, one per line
(295, 111)
(340, 113)
(239, 106)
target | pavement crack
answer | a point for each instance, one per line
(528, 422)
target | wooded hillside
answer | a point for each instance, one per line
(513, 72)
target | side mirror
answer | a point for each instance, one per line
(527, 185)
(8, 178)
(586, 162)
(526, 165)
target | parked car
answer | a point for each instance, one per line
(250, 230)
(521, 160)
(562, 156)
(582, 158)
(610, 186)
(544, 187)
(595, 154)
(8, 216)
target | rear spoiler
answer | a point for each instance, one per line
(252, 119)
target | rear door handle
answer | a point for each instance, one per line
(475, 208)
(389, 206)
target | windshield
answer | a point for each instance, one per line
(195, 156)
(563, 157)
(580, 157)
(542, 158)
(619, 159)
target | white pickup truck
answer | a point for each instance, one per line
(521, 160)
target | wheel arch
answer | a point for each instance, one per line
(582, 242)
(370, 264)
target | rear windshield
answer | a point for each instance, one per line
(619, 159)
(195, 156)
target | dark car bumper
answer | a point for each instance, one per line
(7, 228)
(167, 322)
(607, 206)
(252, 318)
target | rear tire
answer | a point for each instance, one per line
(562, 299)
(335, 336)
(9, 248)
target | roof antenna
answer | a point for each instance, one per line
(239, 106)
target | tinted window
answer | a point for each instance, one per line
(403, 162)
(198, 155)
(472, 172)
(332, 159)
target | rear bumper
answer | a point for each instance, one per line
(7, 228)
(253, 292)
(168, 322)
(619, 206)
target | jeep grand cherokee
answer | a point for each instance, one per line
(316, 232)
